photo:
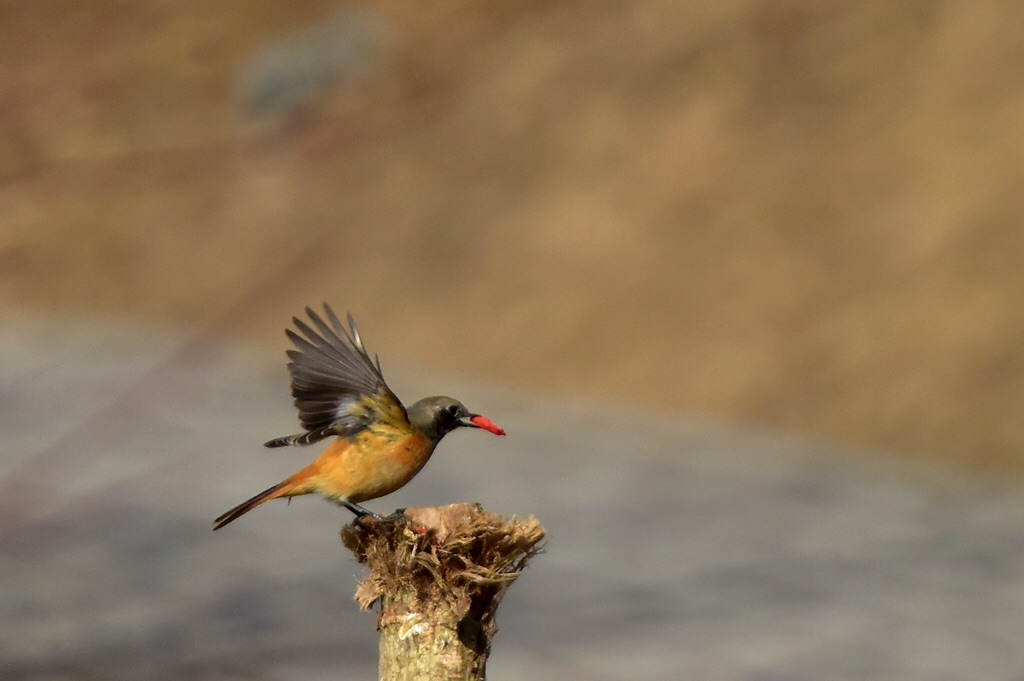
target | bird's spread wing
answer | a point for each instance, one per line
(338, 389)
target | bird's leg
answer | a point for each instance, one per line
(359, 510)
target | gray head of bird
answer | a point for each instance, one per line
(437, 416)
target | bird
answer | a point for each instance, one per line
(378, 444)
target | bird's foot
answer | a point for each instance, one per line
(398, 516)
(364, 514)
(361, 520)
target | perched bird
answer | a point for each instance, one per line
(340, 392)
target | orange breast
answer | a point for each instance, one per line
(372, 465)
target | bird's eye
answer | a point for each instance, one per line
(453, 410)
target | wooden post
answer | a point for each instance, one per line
(439, 575)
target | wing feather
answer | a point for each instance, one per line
(337, 388)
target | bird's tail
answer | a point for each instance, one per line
(293, 486)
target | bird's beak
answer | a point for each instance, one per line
(478, 421)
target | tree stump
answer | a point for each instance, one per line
(439, 575)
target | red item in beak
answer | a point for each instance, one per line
(488, 425)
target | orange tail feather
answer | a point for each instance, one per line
(286, 488)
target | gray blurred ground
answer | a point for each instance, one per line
(677, 550)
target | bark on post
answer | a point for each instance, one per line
(439, 576)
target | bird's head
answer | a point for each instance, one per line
(437, 416)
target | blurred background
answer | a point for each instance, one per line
(782, 219)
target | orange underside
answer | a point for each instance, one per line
(372, 465)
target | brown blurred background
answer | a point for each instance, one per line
(804, 216)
